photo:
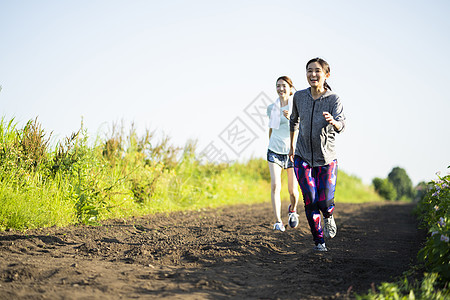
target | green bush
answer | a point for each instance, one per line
(433, 211)
(402, 183)
(384, 188)
(420, 190)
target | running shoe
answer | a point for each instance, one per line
(279, 226)
(293, 218)
(330, 229)
(320, 247)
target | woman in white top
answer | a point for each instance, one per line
(278, 152)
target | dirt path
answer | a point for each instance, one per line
(222, 254)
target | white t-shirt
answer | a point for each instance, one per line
(280, 138)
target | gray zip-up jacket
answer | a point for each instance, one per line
(316, 137)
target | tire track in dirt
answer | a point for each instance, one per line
(210, 254)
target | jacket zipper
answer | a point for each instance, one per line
(310, 134)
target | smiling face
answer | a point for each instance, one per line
(316, 75)
(283, 89)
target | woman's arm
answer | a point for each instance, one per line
(337, 114)
(293, 125)
(293, 135)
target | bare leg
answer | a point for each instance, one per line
(275, 186)
(293, 188)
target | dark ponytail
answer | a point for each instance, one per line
(325, 67)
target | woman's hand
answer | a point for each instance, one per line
(286, 114)
(291, 154)
(329, 118)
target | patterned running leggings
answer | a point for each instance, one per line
(318, 185)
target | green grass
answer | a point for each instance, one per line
(121, 176)
(431, 277)
(428, 288)
(351, 189)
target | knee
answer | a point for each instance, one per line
(293, 192)
(276, 186)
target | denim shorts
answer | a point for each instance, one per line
(280, 159)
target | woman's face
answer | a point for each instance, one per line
(316, 75)
(283, 89)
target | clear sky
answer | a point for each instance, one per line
(195, 69)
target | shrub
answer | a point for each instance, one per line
(401, 182)
(421, 190)
(433, 211)
(384, 188)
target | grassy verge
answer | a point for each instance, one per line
(351, 189)
(429, 280)
(120, 176)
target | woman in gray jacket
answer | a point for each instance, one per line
(317, 115)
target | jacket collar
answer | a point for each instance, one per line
(326, 94)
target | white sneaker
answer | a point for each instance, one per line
(293, 218)
(330, 229)
(320, 247)
(279, 226)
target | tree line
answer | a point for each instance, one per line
(398, 186)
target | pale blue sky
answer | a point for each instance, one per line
(190, 68)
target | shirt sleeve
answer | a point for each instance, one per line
(338, 114)
(293, 122)
(269, 109)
